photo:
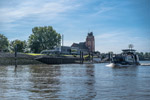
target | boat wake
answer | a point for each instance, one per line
(110, 65)
(145, 64)
(142, 64)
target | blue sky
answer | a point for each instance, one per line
(115, 23)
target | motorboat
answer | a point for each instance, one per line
(128, 57)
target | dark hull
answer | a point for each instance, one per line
(123, 65)
(57, 60)
(128, 65)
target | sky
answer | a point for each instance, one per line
(114, 23)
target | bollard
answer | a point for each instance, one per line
(82, 57)
(16, 56)
(92, 57)
(89, 57)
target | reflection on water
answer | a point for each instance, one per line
(74, 81)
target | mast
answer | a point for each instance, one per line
(62, 40)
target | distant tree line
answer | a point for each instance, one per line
(3, 43)
(42, 38)
(144, 56)
(141, 55)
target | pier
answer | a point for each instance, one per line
(61, 60)
(57, 60)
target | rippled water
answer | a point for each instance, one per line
(74, 82)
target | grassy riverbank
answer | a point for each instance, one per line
(29, 58)
(22, 59)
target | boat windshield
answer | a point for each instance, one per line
(118, 59)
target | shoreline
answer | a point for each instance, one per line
(24, 59)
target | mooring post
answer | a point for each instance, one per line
(16, 55)
(110, 57)
(92, 57)
(82, 57)
(89, 57)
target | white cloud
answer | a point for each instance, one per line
(103, 9)
(23, 16)
(35, 8)
(107, 35)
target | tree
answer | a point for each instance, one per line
(147, 55)
(21, 45)
(43, 38)
(3, 43)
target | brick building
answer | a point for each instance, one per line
(90, 42)
(87, 46)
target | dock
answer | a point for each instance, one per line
(58, 60)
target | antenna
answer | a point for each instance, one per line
(130, 46)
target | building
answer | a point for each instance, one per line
(87, 46)
(90, 42)
(80, 47)
(65, 50)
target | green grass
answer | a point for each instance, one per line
(34, 54)
(68, 55)
(20, 61)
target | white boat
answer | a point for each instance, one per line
(127, 58)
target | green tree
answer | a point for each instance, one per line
(21, 45)
(43, 38)
(147, 55)
(3, 43)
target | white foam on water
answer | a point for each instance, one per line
(110, 65)
(145, 64)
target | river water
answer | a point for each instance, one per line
(74, 82)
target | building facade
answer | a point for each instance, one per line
(90, 42)
(87, 46)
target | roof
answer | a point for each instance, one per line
(90, 34)
(126, 50)
(75, 45)
(81, 45)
